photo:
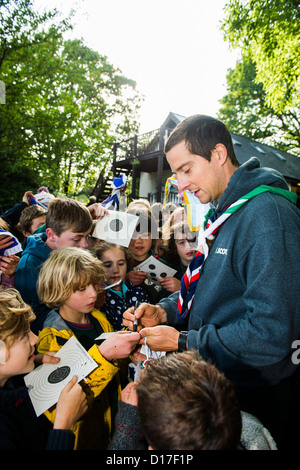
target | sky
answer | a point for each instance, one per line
(173, 50)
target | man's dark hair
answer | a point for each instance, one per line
(201, 134)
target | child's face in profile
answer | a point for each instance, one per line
(20, 357)
(115, 266)
(186, 249)
(80, 302)
(141, 246)
(69, 238)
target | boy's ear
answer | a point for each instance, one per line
(50, 234)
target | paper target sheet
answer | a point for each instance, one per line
(46, 382)
(116, 227)
(155, 269)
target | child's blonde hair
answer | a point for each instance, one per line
(139, 202)
(15, 316)
(65, 271)
(4, 225)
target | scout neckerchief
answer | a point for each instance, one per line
(208, 231)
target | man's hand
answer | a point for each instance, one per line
(146, 314)
(160, 338)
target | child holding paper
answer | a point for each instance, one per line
(180, 245)
(140, 249)
(20, 429)
(120, 292)
(69, 282)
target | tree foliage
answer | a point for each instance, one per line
(268, 30)
(65, 103)
(245, 111)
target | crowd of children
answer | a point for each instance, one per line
(64, 282)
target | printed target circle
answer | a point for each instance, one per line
(116, 225)
(59, 374)
(47, 381)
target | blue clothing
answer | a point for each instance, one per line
(20, 429)
(246, 311)
(26, 276)
(117, 302)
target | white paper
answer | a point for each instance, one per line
(14, 249)
(155, 269)
(149, 355)
(116, 227)
(112, 285)
(108, 334)
(46, 382)
(105, 335)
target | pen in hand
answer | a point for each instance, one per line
(135, 323)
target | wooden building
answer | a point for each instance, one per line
(142, 158)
